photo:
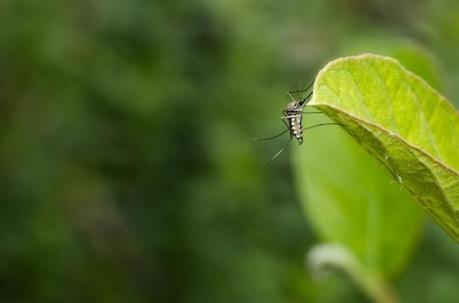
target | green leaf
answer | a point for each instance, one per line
(412, 55)
(352, 201)
(401, 121)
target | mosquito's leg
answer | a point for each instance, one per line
(306, 99)
(289, 93)
(303, 100)
(286, 123)
(322, 124)
(300, 114)
(289, 117)
(281, 150)
(301, 90)
(297, 91)
(273, 137)
(291, 97)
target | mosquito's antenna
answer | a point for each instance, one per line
(309, 86)
(280, 151)
(273, 137)
(311, 113)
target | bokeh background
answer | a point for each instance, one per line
(127, 167)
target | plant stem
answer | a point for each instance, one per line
(330, 257)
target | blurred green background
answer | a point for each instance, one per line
(127, 167)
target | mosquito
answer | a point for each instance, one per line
(292, 117)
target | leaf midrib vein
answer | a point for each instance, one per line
(409, 144)
(448, 203)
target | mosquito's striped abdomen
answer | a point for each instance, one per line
(296, 127)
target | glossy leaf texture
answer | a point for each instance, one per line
(410, 128)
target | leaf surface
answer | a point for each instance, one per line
(352, 201)
(405, 124)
